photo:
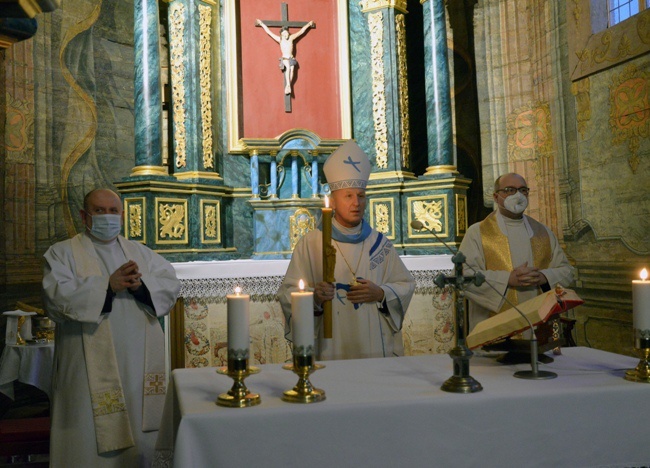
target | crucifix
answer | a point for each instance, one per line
(288, 63)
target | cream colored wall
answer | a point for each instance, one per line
(582, 142)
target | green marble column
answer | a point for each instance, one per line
(437, 89)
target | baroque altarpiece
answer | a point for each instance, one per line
(229, 159)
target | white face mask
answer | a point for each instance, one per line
(516, 203)
(106, 227)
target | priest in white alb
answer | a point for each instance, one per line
(372, 288)
(518, 255)
(105, 294)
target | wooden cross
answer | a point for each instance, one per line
(284, 23)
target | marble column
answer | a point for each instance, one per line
(273, 191)
(255, 175)
(437, 89)
(148, 103)
(295, 175)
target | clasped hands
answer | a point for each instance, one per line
(126, 276)
(524, 276)
(364, 291)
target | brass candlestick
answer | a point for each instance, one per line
(303, 392)
(641, 373)
(238, 396)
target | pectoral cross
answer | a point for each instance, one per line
(286, 41)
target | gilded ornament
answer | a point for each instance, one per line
(429, 213)
(211, 222)
(177, 51)
(205, 69)
(382, 218)
(369, 5)
(172, 220)
(135, 221)
(461, 215)
(300, 223)
(375, 22)
(400, 29)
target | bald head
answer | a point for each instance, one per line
(511, 179)
(103, 197)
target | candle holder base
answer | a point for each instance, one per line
(461, 381)
(238, 396)
(641, 373)
(303, 391)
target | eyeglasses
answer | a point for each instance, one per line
(513, 190)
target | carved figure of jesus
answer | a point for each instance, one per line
(288, 62)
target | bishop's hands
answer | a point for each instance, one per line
(364, 291)
(323, 291)
(126, 276)
(524, 276)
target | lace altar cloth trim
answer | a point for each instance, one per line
(265, 288)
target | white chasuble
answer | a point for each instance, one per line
(74, 295)
(485, 301)
(358, 330)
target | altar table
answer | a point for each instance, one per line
(30, 364)
(391, 412)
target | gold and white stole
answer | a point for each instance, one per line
(496, 250)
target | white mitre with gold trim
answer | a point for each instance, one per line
(347, 167)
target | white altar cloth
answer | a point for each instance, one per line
(30, 364)
(392, 412)
(256, 268)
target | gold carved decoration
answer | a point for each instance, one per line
(211, 229)
(375, 22)
(581, 89)
(176, 53)
(629, 117)
(612, 49)
(382, 216)
(135, 221)
(134, 208)
(205, 53)
(370, 5)
(171, 221)
(529, 132)
(430, 210)
(400, 29)
(429, 213)
(300, 223)
(461, 215)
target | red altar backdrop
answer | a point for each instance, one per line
(316, 103)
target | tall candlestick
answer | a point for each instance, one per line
(641, 302)
(238, 325)
(302, 320)
(329, 262)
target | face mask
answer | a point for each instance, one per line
(106, 227)
(516, 203)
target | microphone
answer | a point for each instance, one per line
(534, 373)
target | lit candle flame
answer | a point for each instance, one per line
(644, 274)
(238, 290)
(301, 285)
(327, 201)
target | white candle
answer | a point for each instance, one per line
(238, 321)
(302, 317)
(641, 302)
